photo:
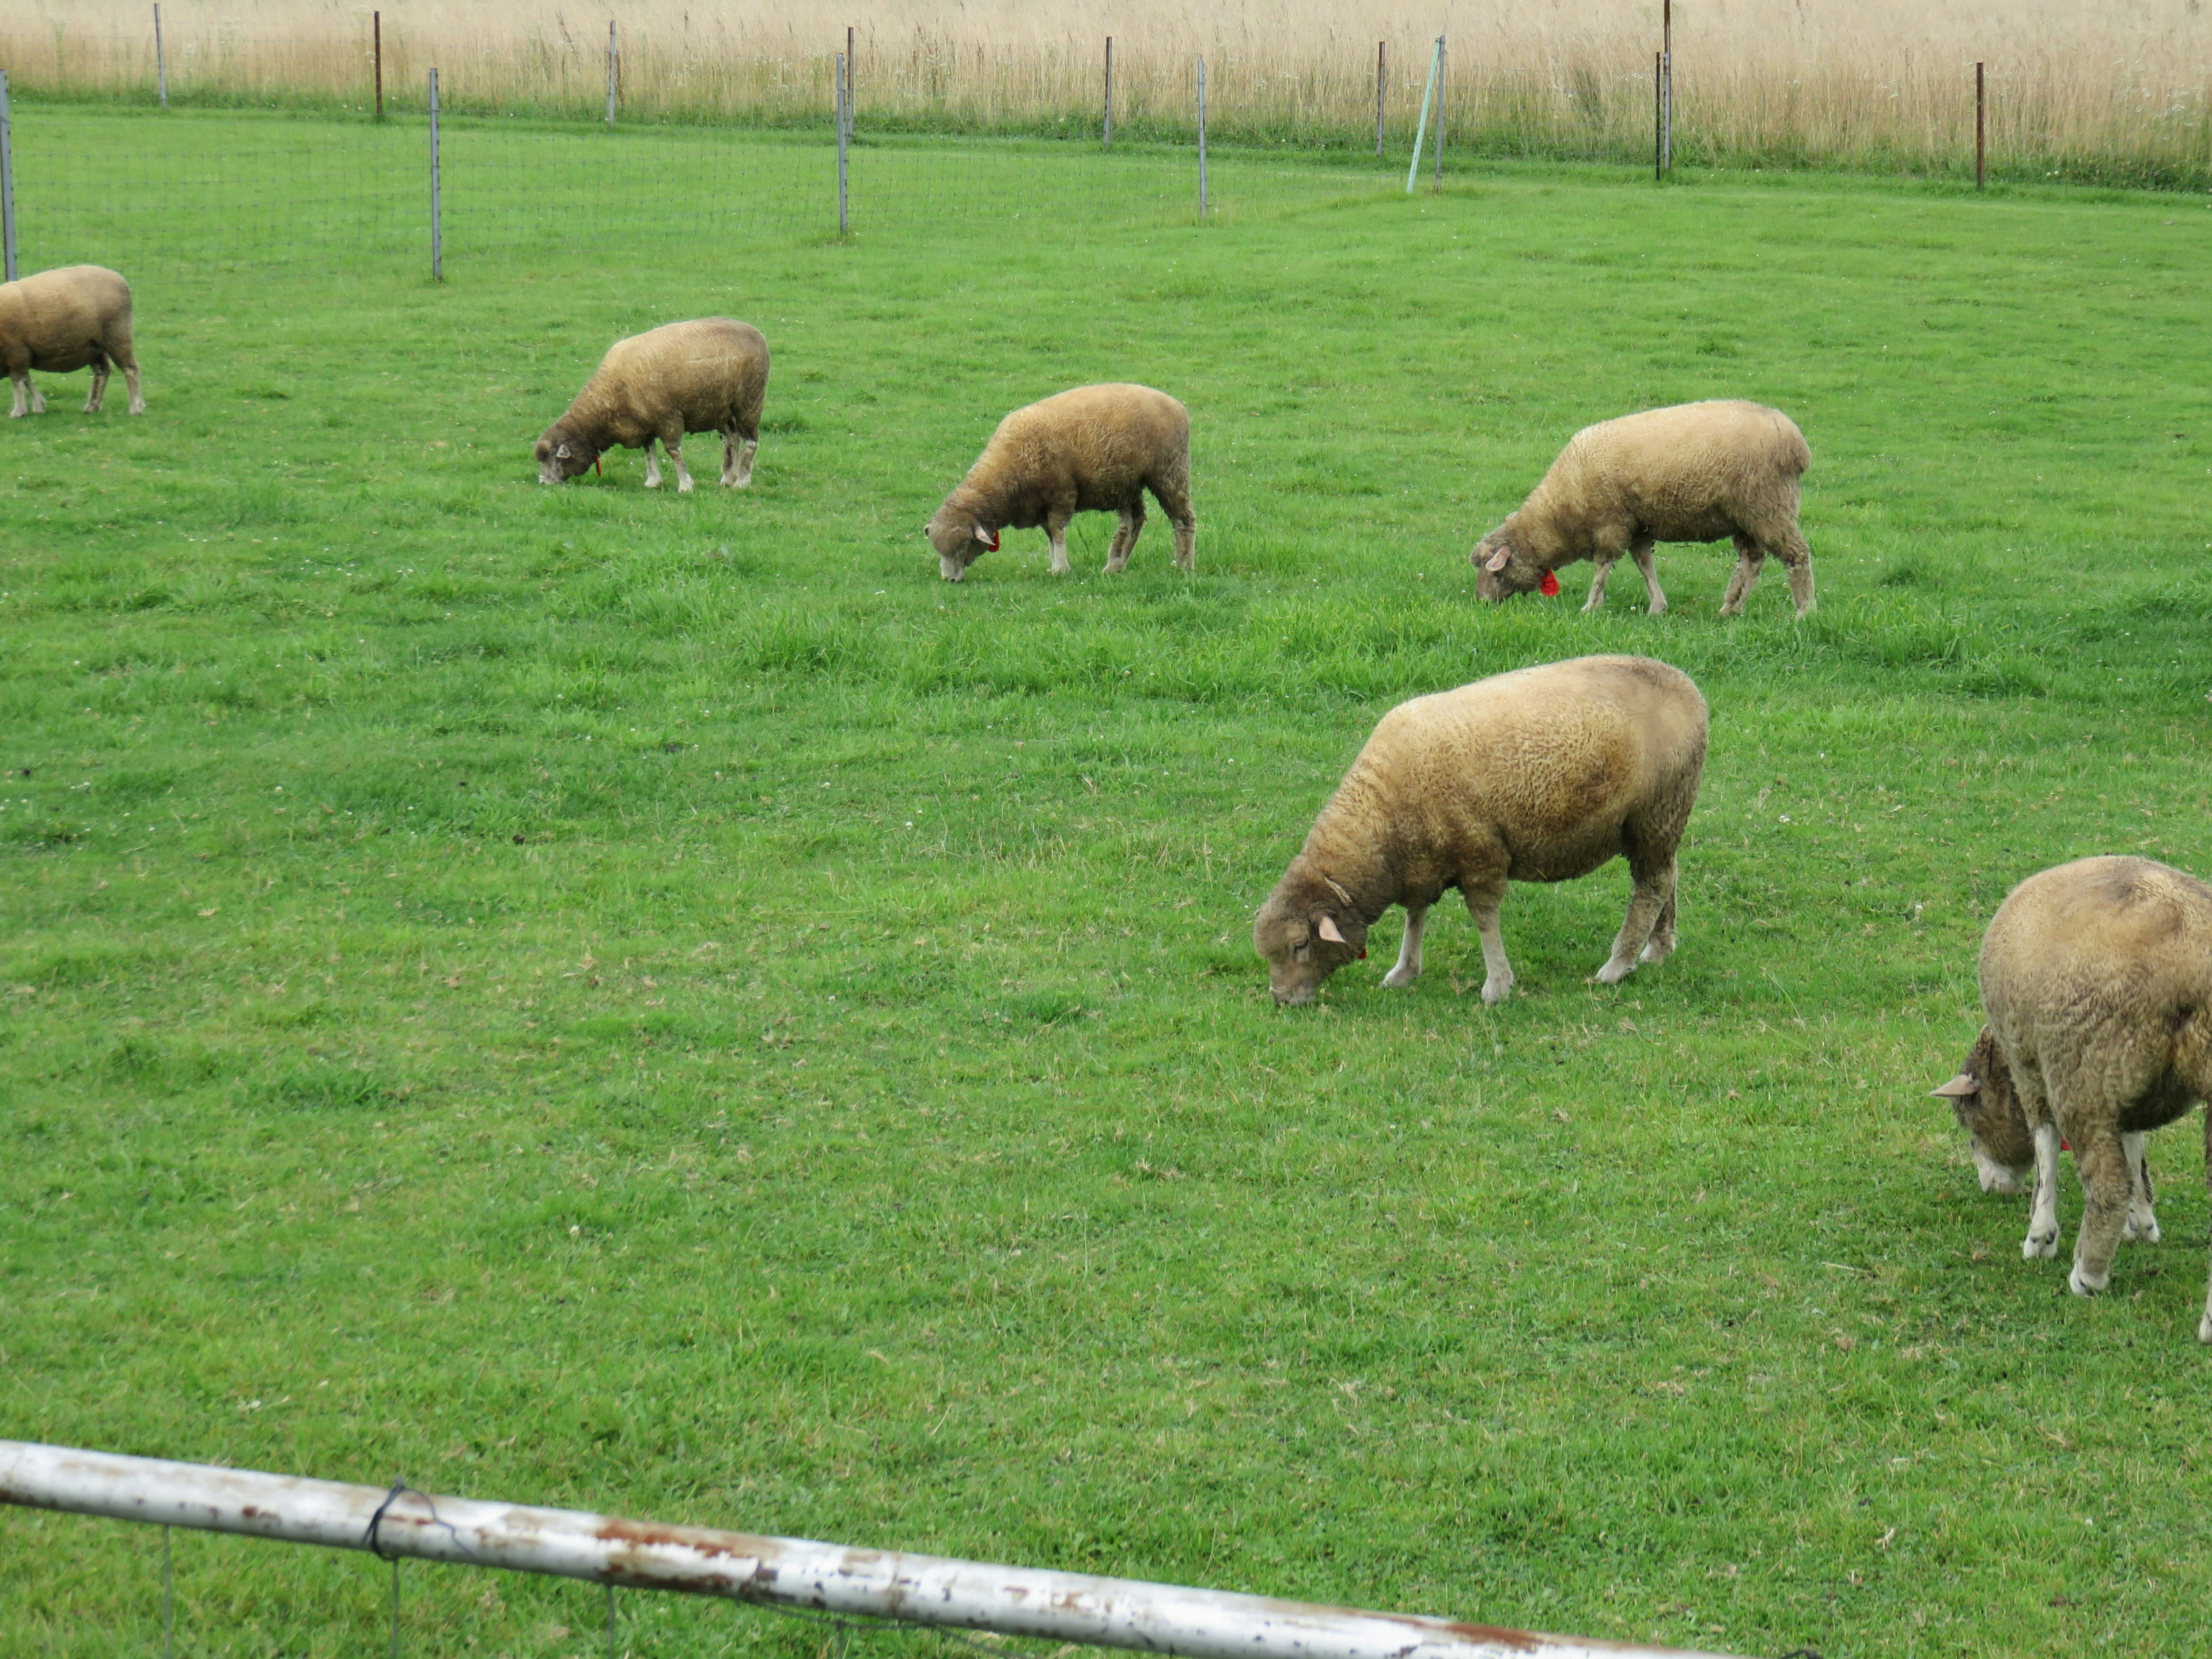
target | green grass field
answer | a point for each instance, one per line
(660, 1003)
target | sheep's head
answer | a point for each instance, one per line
(562, 455)
(959, 539)
(1306, 933)
(1989, 1110)
(1503, 568)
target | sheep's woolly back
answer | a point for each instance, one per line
(706, 375)
(2100, 972)
(1695, 472)
(1094, 449)
(64, 320)
(1540, 767)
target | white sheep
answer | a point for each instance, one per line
(60, 320)
(1693, 473)
(708, 375)
(2097, 983)
(1544, 774)
(1095, 449)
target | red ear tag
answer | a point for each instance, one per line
(1363, 953)
(2063, 1147)
(596, 469)
(1549, 588)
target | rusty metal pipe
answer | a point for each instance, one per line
(782, 1572)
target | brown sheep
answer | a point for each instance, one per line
(2097, 982)
(1693, 473)
(1095, 449)
(1544, 774)
(709, 375)
(65, 320)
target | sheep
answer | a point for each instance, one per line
(1693, 473)
(2096, 981)
(1095, 449)
(1543, 774)
(64, 320)
(708, 375)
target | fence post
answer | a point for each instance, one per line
(376, 54)
(6, 186)
(1109, 143)
(437, 219)
(1667, 86)
(1981, 133)
(160, 60)
(1658, 118)
(1202, 198)
(1379, 84)
(1421, 127)
(1443, 71)
(844, 94)
(611, 64)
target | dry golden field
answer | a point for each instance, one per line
(2117, 88)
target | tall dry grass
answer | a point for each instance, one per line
(2119, 90)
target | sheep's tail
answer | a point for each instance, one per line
(1795, 453)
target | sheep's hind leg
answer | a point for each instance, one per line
(1176, 500)
(1646, 904)
(676, 459)
(1125, 537)
(729, 459)
(652, 467)
(2142, 1220)
(130, 380)
(1409, 951)
(1055, 530)
(20, 385)
(1749, 556)
(738, 473)
(38, 397)
(2042, 1238)
(1661, 944)
(1605, 563)
(2204, 1325)
(100, 373)
(1640, 550)
(2103, 1162)
(1797, 559)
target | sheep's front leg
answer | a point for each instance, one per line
(2142, 1220)
(675, 447)
(1749, 556)
(1661, 945)
(1409, 951)
(738, 460)
(1055, 530)
(1646, 903)
(21, 384)
(1605, 563)
(2204, 1325)
(1483, 900)
(2042, 1238)
(1640, 550)
(100, 373)
(652, 467)
(2103, 1163)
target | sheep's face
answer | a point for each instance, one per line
(1988, 1110)
(561, 457)
(1501, 569)
(959, 541)
(1304, 942)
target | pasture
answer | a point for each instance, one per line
(660, 1003)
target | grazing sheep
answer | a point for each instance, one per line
(1542, 774)
(2097, 983)
(1095, 449)
(710, 375)
(1693, 473)
(60, 320)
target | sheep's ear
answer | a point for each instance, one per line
(983, 535)
(1497, 561)
(1958, 1087)
(561, 454)
(1328, 930)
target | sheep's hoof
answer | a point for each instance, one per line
(2145, 1230)
(2081, 1283)
(1655, 952)
(1615, 971)
(2204, 1328)
(1401, 976)
(683, 489)
(1496, 990)
(2037, 1246)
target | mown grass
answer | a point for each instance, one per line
(658, 1004)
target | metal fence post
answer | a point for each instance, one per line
(1202, 198)
(1443, 66)
(1658, 117)
(1379, 84)
(376, 54)
(7, 185)
(844, 213)
(1109, 143)
(437, 216)
(160, 60)
(1981, 132)
(611, 67)
(1421, 127)
(168, 1600)
(1667, 86)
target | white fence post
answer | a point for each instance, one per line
(1202, 199)
(437, 208)
(844, 120)
(1443, 76)
(7, 183)
(1421, 127)
(613, 69)
(160, 62)
(776, 1573)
